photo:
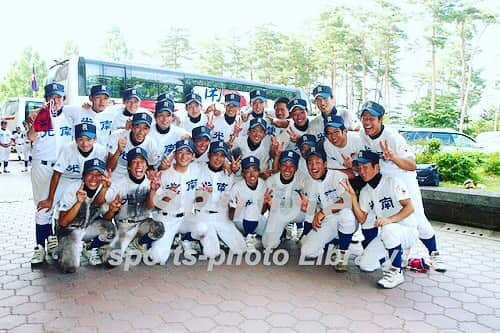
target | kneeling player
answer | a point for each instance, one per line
(80, 218)
(389, 200)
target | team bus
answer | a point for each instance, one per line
(78, 74)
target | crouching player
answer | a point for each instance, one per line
(389, 200)
(131, 200)
(81, 218)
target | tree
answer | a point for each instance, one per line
(212, 59)
(445, 114)
(70, 49)
(298, 65)
(17, 82)
(236, 64)
(175, 48)
(115, 47)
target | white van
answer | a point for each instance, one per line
(16, 109)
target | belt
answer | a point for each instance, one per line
(176, 215)
(212, 212)
(131, 221)
(47, 163)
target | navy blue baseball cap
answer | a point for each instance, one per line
(85, 129)
(258, 122)
(192, 97)
(217, 146)
(289, 155)
(306, 139)
(164, 105)
(323, 91)
(297, 103)
(232, 99)
(201, 132)
(373, 108)
(137, 152)
(142, 118)
(366, 156)
(99, 89)
(94, 164)
(186, 143)
(335, 121)
(55, 88)
(258, 94)
(131, 93)
(317, 150)
(249, 161)
(164, 96)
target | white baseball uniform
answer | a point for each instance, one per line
(334, 154)
(166, 139)
(5, 138)
(188, 124)
(261, 152)
(318, 123)
(248, 203)
(222, 130)
(102, 120)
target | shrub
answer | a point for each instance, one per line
(492, 164)
(430, 151)
(457, 167)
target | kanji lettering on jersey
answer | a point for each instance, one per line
(386, 203)
(106, 125)
(65, 131)
(191, 184)
(221, 187)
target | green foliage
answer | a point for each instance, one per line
(445, 115)
(457, 167)
(430, 152)
(115, 46)
(175, 48)
(17, 82)
(492, 165)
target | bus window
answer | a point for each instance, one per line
(114, 78)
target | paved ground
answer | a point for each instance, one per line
(237, 298)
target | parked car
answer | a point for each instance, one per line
(16, 109)
(489, 140)
(451, 140)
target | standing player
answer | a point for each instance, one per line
(258, 102)
(98, 114)
(5, 143)
(81, 218)
(389, 200)
(335, 219)
(123, 140)
(398, 161)
(18, 138)
(50, 132)
(228, 124)
(131, 100)
(195, 117)
(249, 201)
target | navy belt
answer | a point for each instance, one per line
(212, 212)
(47, 163)
(176, 215)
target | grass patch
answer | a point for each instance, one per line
(491, 183)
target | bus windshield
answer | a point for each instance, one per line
(79, 74)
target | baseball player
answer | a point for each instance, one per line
(123, 140)
(201, 139)
(249, 200)
(389, 200)
(195, 117)
(304, 144)
(258, 103)
(97, 113)
(398, 161)
(131, 100)
(164, 133)
(5, 143)
(229, 124)
(335, 219)
(323, 97)
(18, 137)
(212, 204)
(50, 131)
(130, 200)
(289, 203)
(68, 168)
(175, 199)
(81, 219)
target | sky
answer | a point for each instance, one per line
(46, 25)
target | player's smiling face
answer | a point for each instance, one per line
(99, 102)
(183, 157)
(85, 144)
(256, 134)
(324, 104)
(258, 106)
(193, 109)
(92, 179)
(367, 171)
(251, 175)
(139, 132)
(304, 149)
(138, 167)
(58, 101)
(131, 105)
(281, 111)
(163, 120)
(232, 110)
(371, 124)
(336, 136)
(299, 116)
(216, 160)
(316, 166)
(201, 145)
(287, 170)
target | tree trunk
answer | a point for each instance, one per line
(463, 83)
(334, 79)
(387, 79)
(433, 78)
(363, 71)
(463, 110)
(347, 86)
